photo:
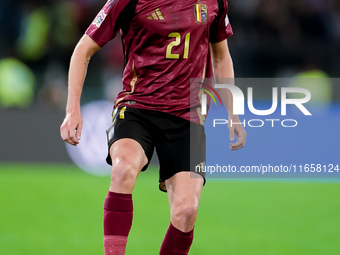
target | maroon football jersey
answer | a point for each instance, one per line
(166, 44)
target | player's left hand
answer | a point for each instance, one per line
(238, 130)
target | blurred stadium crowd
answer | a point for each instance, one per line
(272, 38)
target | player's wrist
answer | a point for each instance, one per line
(73, 108)
(233, 117)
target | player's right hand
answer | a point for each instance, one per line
(70, 130)
(237, 130)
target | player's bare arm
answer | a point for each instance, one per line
(223, 68)
(71, 127)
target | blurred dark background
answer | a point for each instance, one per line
(278, 38)
(272, 38)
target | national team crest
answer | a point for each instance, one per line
(201, 12)
(100, 18)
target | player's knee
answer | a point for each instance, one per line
(124, 173)
(185, 213)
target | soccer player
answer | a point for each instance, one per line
(166, 43)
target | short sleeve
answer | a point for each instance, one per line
(221, 29)
(108, 21)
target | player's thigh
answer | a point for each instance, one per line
(128, 152)
(184, 189)
(129, 139)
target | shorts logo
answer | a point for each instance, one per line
(200, 12)
(121, 113)
(99, 19)
(200, 168)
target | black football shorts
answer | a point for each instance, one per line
(180, 144)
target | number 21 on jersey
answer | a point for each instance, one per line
(176, 43)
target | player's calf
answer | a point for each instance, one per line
(128, 158)
(180, 233)
(176, 242)
(117, 222)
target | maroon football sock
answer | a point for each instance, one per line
(176, 242)
(117, 222)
